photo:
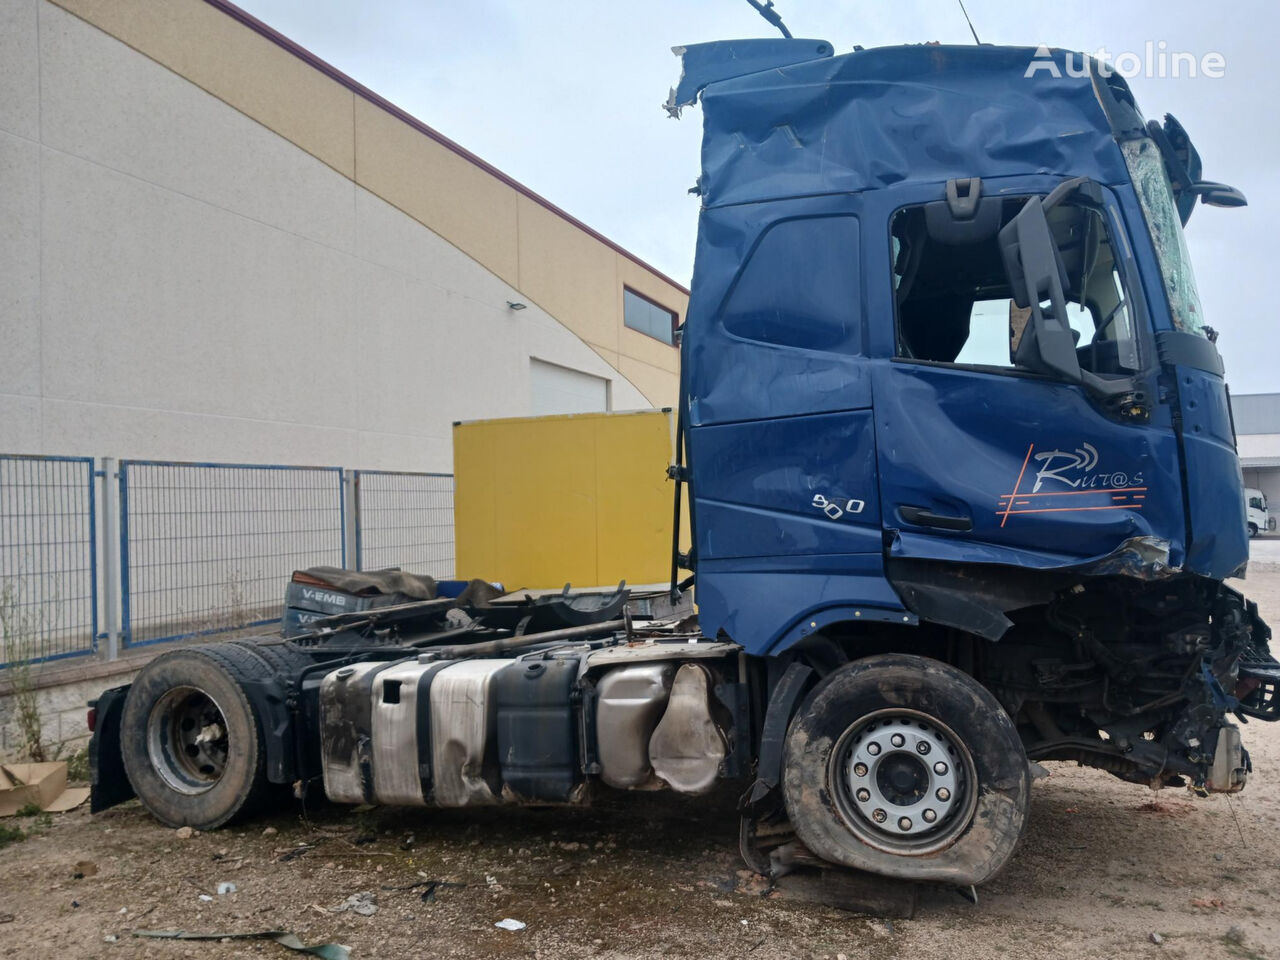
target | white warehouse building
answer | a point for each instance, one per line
(216, 247)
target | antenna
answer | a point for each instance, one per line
(766, 10)
(969, 22)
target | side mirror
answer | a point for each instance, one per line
(1038, 280)
(1218, 194)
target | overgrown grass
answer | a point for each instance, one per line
(20, 631)
(77, 765)
(10, 835)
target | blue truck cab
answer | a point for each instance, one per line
(948, 392)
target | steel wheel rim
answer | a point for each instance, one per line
(903, 782)
(187, 740)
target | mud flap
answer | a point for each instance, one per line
(108, 783)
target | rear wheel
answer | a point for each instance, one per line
(191, 744)
(906, 767)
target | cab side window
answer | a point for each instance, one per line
(799, 288)
(954, 302)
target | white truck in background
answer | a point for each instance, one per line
(1255, 502)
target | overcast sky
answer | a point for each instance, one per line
(565, 95)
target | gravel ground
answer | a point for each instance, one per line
(1105, 869)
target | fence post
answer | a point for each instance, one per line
(109, 556)
(351, 519)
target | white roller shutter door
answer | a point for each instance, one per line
(554, 389)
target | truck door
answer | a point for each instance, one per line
(983, 459)
(786, 511)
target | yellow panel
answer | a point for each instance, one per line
(582, 499)
(633, 498)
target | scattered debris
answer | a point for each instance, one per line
(270, 832)
(1209, 903)
(364, 903)
(85, 868)
(184, 833)
(7, 918)
(509, 924)
(753, 884)
(722, 884)
(1164, 809)
(226, 887)
(110, 938)
(1156, 939)
(295, 853)
(1234, 935)
(326, 951)
(205, 898)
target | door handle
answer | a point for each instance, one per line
(927, 518)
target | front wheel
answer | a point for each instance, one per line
(906, 767)
(1253, 530)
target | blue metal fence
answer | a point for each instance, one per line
(208, 547)
(202, 548)
(48, 558)
(405, 520)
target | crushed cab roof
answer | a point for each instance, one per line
(776, 128)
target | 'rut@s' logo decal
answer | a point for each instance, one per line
(1069, 480)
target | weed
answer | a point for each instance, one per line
(29, 810)
(10, 835)
(78, 765)
(20, 631)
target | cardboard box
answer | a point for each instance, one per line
(44, 784)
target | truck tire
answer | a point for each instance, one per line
(905, 767)
(191, 743)
(1253, 530)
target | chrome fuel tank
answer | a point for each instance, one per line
(401, 728)
(346, 732)
(463, 742)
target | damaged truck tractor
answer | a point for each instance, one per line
(962, 484)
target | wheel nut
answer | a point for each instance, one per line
(897, 740)
(904, 823)
(863, 796)
(879, 816)
(943, 794)
(860, 769)
(873, 748)
(922, 747)
(940, 768)
(929, 816)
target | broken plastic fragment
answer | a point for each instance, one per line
(509, 924)
(326, 951)
(705, 63)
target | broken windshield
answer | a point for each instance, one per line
(1155, 193)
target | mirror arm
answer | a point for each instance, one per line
(1087, 188)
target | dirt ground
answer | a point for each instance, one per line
(1103, 867)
